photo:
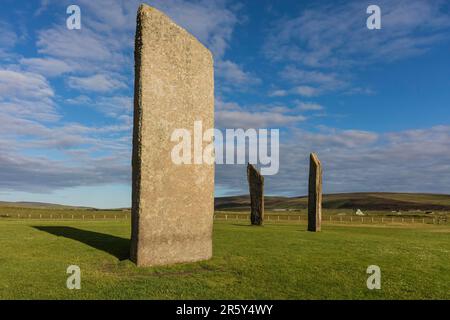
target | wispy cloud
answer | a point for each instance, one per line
(232, 115)
(310, 106)
(335, 35)
(324, 43)
(234, 75)
(46, 66)
(406, 161)
(97, 83)
(26, 94)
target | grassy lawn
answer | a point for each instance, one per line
(277, 261)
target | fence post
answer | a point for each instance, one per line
(423, 220)
(412, 220)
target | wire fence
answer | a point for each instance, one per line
(274, 218)
(77, 216)
(335, 219)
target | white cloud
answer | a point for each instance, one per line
(96, 83)
(309, 106)
(335, 35)
(326, 81)
(325, 45)
(20, 84)
(46, 66)
(234, 74)
(246, 119)
(231, 115)
(42, 7)
(297, 75)
(99, 59)
(82, 44)
(357, 161)
(26, 94)
(119, 107)
(306, 91)
(8, 38)
(278, 93)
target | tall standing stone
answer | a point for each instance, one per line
(172, 205)
(315, 194)
(256, 186)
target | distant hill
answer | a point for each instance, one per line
(364, 201)
(41, 205)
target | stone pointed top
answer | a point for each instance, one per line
(251, 170)
(313, 156)
(146, 11)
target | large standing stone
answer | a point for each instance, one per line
(315, 194)
(256, 186)
(172, 205)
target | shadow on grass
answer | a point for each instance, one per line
(116, 246)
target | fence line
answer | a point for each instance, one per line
(335, 219)
(290, 218)
(51, 216)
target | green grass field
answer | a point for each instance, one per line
(277, 261)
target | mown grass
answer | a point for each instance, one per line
(276, 261)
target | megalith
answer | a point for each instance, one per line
(172, 203)
(256, 186)
(314, 194)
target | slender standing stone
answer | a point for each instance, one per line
(315, 194)
(172, 204)
(256, 186)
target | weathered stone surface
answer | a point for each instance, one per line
(315, 194)
(172, 205)
(256, 186)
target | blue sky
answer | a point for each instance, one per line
(372, 103)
